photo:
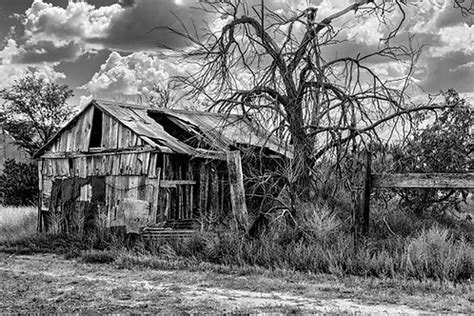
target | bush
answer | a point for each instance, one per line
(445, 145)
(19, 183)
(434, 253)
(98, 256)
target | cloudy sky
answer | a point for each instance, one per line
(103, 47)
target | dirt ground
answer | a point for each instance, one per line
(48, 283)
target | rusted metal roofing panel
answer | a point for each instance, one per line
(136, 122)
(228, 130)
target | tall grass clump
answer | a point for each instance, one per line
(435, 253)
(17, 222)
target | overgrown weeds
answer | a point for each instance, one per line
(435, 253)
(321, 244)
(17, 223)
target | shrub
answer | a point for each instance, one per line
(434, 253)
(445, 145)
(98, 256)
(19, 183)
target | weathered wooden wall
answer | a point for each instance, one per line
(77, 137)
(177, 187)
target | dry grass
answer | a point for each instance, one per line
(44, 283)
(17, 222)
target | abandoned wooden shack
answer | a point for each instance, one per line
(148, 170)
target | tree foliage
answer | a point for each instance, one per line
(19, 183)
(33, 111)
(444, 145)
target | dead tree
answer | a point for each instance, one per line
(274, 68)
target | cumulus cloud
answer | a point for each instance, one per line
(84, 100)
(458, 38)
(53, 34)
(136, 73)
(125, 27)
(10, 72)
(454, 70)
(44, 21)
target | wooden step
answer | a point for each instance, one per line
(189, 224)
(157, 233)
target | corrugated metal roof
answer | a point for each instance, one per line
(223, 130)
(139, 122)
(220, 130)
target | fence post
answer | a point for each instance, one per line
(365, 194)
(361, 209)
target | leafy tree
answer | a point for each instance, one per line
(33, 111)
(19, 183)
(444, 145)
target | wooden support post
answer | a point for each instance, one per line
(39, 223)
(237, 190)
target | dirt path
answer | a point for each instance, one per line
(48, 283)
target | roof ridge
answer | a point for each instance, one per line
(170, 111)
(166, 110)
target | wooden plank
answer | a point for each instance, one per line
(191, 201)
(126, 137)
(98, 166)
(179, 193)
(214, 190)
(123, 164)
(75, 169)
(156, 199)
(152, 167)
(65, 167)
(237, 190)
(112, 141)
(143, 160)
(69, 137)
(110, 198)
(133, 140)
(82, 166)
(133, 164)
(135, 214)
(89, 166)
(39, 222)
(116, 165)
(61, 143)
(98, 152)
(120, 134)
(78, 134)
(83, 131)
(108, 164)
(86, 193)
(166, 169)
(104, 165)
(424, 180)
(203, 190)
(153, 187)
(142, 188)
(174, 183)
(104, 143)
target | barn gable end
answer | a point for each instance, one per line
(81, 135)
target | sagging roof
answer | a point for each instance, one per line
(220, 131)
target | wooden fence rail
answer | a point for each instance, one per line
(368, 181)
